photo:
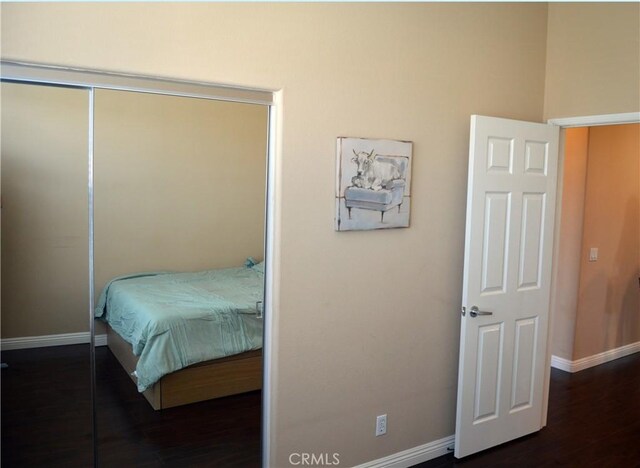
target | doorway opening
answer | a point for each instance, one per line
(595, 315)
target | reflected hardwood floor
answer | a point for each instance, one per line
(593, 421)
(46, 418)
(46, 407)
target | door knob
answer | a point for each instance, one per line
(474, 312)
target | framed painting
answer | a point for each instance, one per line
(373, 187)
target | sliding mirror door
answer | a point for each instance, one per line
(179, 220)
(46, 393)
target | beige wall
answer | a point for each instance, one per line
(44, 211)
(350, 343)
(349, 346)
(593, 59)
(565, 300)
(609, 297)
(179, 183)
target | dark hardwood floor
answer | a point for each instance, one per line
(46, 408)
(46, 418)
(593, 421)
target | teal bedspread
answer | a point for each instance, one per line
(174, 320)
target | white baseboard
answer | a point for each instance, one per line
(101, 340)
(595, 360)
(25, 342)
(561, 363)
(413, 456)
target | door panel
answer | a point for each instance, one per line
(530, 242)
(524, 363)
(500, 155)
(536, 154)
(508, 247)
(488, 375)
(495, 242)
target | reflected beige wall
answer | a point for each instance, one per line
(609, 296)
(179, 183)
(357, 334)
(44, 211)
(570, 238)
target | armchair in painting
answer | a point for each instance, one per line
(381, 200)
(379, 185)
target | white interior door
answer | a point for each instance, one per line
(507, 271)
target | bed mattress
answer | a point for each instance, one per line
(174, 320)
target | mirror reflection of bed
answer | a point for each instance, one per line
(179, 193)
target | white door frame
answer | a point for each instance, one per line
(272, 269)
(90, 80)
(564, 123)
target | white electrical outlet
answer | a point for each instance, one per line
(381, 425)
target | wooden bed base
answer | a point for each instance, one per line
(203, 381)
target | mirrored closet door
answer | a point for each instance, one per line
(179, 210)
(46, 385)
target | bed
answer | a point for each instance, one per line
(187, 337)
